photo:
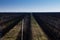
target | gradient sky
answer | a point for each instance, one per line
(29, 5)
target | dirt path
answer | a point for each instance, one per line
(37, 32)
(12, 34)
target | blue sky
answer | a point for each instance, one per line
(29, 5)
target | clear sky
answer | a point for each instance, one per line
(29, 5)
